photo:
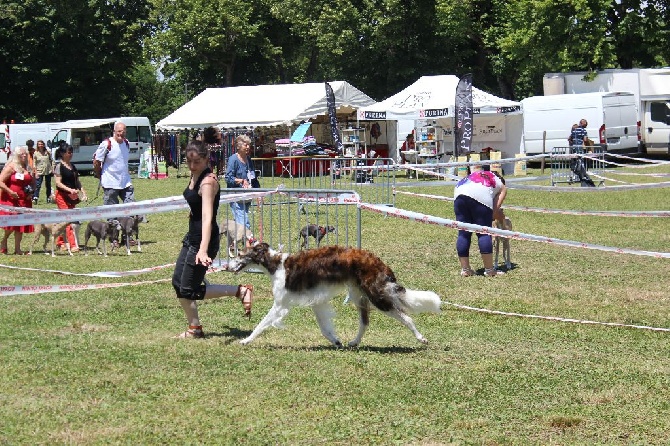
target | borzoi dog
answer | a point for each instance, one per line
(314, 277)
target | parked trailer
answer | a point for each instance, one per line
(86, 135)
(612, 121)
(651, 87)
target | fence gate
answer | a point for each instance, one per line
(575, 165)
(279, 218)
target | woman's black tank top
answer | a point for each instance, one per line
(194, 201)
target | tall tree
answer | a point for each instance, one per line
(201, 41)
(67, 59)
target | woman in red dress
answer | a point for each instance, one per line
(17, 186)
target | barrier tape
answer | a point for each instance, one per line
(329, 197)
(624, 187)
(107, 274)
(653, 175)
(603, 178)
(16, 290)
(555, 211)
(429, 219)
(644, 160)
(475, 163)
(600, 158)
(154, 206)
(554, 318)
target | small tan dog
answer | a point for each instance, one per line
(235, 232)
(507, 226)
(52, 230)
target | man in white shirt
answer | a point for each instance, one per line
(114, 153)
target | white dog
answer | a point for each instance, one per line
(314, 277)
(507, 225)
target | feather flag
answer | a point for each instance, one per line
(464, 112)
(330, 100)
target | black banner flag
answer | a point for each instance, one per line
(464, 113)
(330, 100)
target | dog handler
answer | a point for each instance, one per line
(201, 243)
(478, 200)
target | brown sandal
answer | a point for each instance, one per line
(245, 298)
(194, 331)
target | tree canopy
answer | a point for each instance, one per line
(63, 59)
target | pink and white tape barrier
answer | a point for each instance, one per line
(107, 274)
(554, 211)
(453, 224)
(554, 318)
(145, 207)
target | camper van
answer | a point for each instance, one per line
(612, 121)
(86, 135)
(651, 87)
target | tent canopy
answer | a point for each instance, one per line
(263, 105)
(434, 97)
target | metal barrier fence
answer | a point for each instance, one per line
(279, 219)
(373, 179)
(573, 164)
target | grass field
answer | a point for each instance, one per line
(101, 366)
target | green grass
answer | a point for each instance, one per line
(101, 367)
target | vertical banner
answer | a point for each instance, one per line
(464, 112)
(330, 100)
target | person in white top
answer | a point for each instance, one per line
(478, 199)
(114, 153)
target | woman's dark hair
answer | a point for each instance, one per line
(62, 149)
(211, 136)
(199, 147)
(499, 176)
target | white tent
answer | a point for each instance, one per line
(497, 121)
(263, 105)
(434, 97)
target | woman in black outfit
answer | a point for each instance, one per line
(201, 243)
(68, 189)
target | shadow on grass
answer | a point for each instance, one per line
(233, 334)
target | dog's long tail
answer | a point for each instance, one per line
(421, 301)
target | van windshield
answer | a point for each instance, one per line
(89, 137)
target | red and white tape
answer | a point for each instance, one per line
(15, 290)
(554, 318)
(106, 274)
(167, 204)
(453, 224)
(554, 211)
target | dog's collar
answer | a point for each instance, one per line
(322, 230)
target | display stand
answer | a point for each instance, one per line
(429, 142)
(354, 142)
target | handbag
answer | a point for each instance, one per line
(255, 183)
(71, 199)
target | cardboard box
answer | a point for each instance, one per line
(462, 170)
(519, 166)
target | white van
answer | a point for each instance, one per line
(612, 121)
(14, 135)
(651, 87)
(85, 135)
